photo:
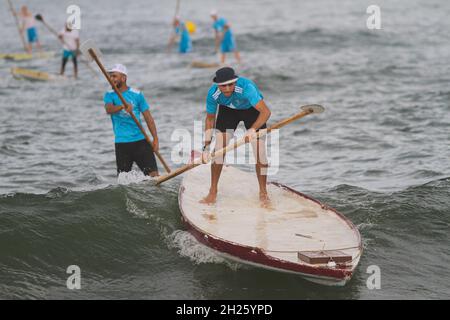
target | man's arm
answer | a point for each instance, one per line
(209, 126)
(60, 37)
(264, 115)
(110, 108)
(152, 127)
(218, 40)
(172, 40)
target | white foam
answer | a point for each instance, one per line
(134, 210)
(126, 178)
(189, 247)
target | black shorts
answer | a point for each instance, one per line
(228, 118)
(140, 152)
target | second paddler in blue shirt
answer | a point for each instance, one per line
(180, 30)
(224, 37)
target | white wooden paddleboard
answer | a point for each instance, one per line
(240, 229)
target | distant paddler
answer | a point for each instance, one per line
(181, 31)
(235, 99)
(29, 25)
(130, 143)
(224, 37)
(70, 39)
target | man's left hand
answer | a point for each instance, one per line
(250, 135)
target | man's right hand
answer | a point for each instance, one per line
(128, 108)
(205, 157)
(205, 154)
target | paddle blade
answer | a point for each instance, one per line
(86, 48)
(39, 17)
(313, 108)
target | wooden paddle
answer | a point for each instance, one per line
(177, 8)
(91, 51)
(172, 37)
(306, 110)
(17, 25)
(40, 18)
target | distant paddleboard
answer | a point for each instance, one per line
(35, 75)
(203, 64)
(298, 235)
(27, 56)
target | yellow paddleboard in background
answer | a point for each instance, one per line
(27, 56)
(202, 64)
(29, 74)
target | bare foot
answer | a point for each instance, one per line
(210, 198)
(265, 201)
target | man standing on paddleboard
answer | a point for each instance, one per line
(181, 31)
(29, 25)
(71, 44)
(224, 37)
(236, 99)
(130, 143)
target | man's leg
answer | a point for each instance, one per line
(145, 158)
(75, 65)
(259, 151)
(237, 56)
(30, 39)
(38, 45)
(222, 140)
(63, 64)
(124, 161)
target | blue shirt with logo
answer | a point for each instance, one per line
(124, 127)
(245, 96)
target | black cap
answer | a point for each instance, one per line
(225, 75)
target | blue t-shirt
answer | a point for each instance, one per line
(219, 24)
(245, 96)
(185, 38)
(125, 129)
(228, 44)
